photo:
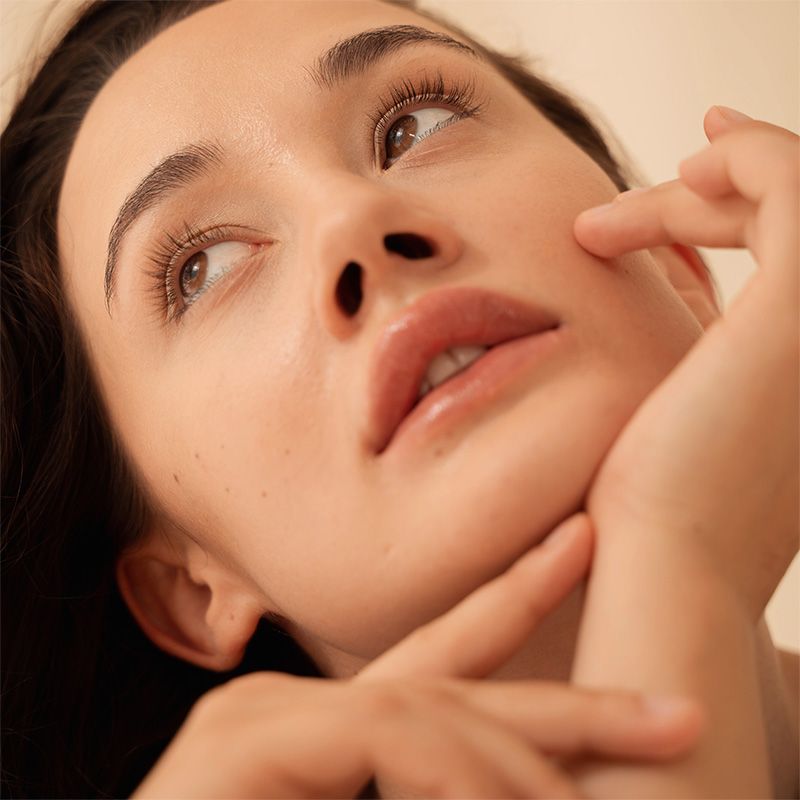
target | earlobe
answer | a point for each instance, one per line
(202, 616)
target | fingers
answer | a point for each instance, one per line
(661, 215)
(564, 720)
(749, 158)
(473, 738)
(449, 750)
(740, 191)
(482, 632)
(719, 119)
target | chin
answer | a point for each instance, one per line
(474, 504)
(496, 493)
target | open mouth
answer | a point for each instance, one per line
(485, 378)
(447, 364)
(444, 350)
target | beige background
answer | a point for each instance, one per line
(647, 68)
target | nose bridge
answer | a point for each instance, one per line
(370, 239)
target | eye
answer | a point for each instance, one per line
(410, 129)
(203, 269)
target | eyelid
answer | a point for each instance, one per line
(409, 95)
(182, 262)
(169, 255)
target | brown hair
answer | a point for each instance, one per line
(88, 701)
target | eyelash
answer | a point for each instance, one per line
(459, 95)
(170, 254)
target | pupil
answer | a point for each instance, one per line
(401, 135)
(194, 274)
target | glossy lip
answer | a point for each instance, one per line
(439, 320)
(488, 378)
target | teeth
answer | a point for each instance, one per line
(447, 364)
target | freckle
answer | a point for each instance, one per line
(438, 451)
(228, 489)
(176, 478)
(197, 456)
(222, 446)
(286, 451)
(230, 616)
(263, 494)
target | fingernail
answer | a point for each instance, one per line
(630, 193)
(732, 115)
(563, 533)
(658, 705)
(598, 211)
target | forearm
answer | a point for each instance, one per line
(655, 620)
(779, 701)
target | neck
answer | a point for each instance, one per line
(546, 656)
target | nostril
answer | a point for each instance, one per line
(348, 289)
(408, 245)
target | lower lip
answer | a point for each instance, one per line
(477, 386)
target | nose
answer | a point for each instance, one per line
(371, 242)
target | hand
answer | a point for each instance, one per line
(711, 456)
(417, 717)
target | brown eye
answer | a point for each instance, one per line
(401, 136)
(412, 128)
(203, 269)
(193, 274)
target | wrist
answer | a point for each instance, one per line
(706, 555)
(678, 555)
(659, 618)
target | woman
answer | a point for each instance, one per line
(256, 230)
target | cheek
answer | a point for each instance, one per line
(217, 425)
(536, 193)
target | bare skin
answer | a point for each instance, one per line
(709, 550)
(257, 397)
(419, 718)
(254, 401)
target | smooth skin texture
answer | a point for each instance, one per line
(712, 550)
(255, 401)
(741, 191)
(273, 735)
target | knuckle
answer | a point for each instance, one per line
(209, 704)
(383, 701)
(243, 686)
(392, 700)
(435, 692)
(236, 691)
(608, 706)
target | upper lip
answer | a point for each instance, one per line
(437, 321)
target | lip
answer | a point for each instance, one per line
(440, 320)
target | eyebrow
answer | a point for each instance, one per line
(177, 170)
(343, 61)
(357, 53)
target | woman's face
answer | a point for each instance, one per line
(240, 383)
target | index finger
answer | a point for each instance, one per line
(484, 630)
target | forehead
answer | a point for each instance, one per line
(235, 72)
(214, 58)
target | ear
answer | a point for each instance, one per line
(688, 274)
(186, 602)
